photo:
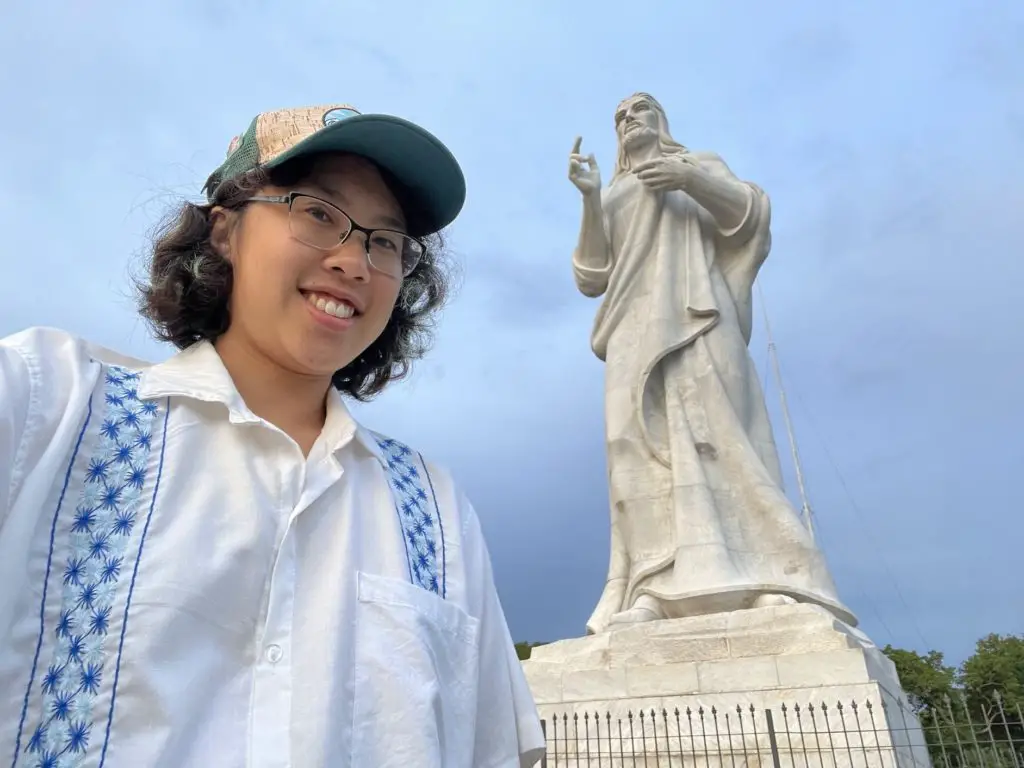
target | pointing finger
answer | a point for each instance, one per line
(577, 145)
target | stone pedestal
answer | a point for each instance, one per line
(788, 685)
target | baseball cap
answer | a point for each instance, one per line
(427, 171)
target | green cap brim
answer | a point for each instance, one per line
(427, 171)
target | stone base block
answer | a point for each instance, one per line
(787, 685)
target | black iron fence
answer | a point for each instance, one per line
(952, 734)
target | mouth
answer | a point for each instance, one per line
(330, 305)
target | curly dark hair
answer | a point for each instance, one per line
(184, 296)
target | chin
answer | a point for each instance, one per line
(314, 358)
(638, 138)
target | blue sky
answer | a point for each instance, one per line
(890, 137)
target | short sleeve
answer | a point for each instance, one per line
(46, 378)
(15, 407)
(508, 730)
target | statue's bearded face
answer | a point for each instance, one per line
(636, 123)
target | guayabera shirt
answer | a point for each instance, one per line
(182, 587)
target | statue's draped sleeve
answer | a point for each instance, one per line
(592, 262)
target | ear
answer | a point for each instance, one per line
(222, 224)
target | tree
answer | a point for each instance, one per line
(993, 684)
(997, 664)
(971, 715)
(926, 679)
(523, 650)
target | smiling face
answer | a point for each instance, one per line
(309, 311)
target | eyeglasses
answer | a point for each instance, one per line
(320, 224)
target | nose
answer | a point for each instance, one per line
(350, 258)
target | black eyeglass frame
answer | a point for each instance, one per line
(289, 200)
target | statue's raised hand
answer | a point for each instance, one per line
(583, 170)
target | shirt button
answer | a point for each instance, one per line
(274, 653)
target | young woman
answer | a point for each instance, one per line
(208, 562)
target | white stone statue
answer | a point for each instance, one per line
(699, 521)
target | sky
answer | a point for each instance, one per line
(889, 135)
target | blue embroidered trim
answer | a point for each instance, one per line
(440, 528)
(99, 535)
(421, 524)
(131, 586)
(46, 583)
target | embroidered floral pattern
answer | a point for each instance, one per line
(101, 530)
(420, 519)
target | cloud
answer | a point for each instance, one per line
(888, 136)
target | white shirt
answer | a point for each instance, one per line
(181, 587)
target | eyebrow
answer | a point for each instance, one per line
(387, 222)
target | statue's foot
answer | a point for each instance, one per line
(633, 616)
(607, 606)
(645, 609)
(769, 599)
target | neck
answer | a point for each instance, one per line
(649, 150)
(295, 403)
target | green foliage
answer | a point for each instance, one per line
(926, 679)
(996, 665)
(972, 714)
(523, 650)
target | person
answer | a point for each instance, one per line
(699, 521)
(208, 561)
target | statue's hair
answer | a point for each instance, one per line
(668, 145)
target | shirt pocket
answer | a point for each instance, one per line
(416, 671)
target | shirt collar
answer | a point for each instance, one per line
(198, 373)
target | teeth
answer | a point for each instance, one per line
(332, 307)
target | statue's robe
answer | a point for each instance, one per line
(700, 521)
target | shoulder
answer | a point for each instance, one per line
(58, 351)
(713, 162)
(51, 364)
(47, 379)
(45, 345)
(717, 166)
(44, 361)
(415, 473)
